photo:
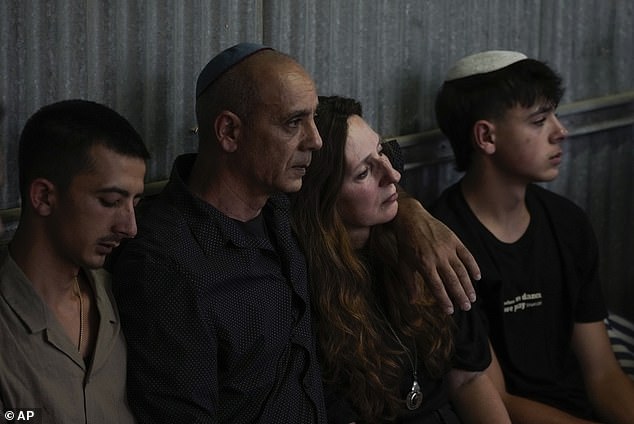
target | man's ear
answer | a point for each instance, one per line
(484, 136)
(42, 195)
(227, 127)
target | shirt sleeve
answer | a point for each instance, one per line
(590, 305)
(472, 351)
(393, 151)
(168, 381)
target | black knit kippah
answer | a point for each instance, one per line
(224, 61)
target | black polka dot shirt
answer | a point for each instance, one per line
(217, 318)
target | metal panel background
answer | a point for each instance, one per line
(142, 58)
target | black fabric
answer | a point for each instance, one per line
(217, 319)
(533, 291)
(393, 151)
(472, 353)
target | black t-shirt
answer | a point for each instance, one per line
(533, 291)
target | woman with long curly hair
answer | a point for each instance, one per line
(385, 357)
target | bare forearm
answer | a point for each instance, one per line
(613, 399)
(610, 390)
(527, 411)
(523, 410)
(477, 401)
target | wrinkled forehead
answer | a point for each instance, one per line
(289, 87)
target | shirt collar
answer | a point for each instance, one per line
(21, 296)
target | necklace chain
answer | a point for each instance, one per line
(413, 363)
(414, 397)
(77, 291)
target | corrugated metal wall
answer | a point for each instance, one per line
(142, 58)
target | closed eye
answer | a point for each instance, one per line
(109, 204)
(363, 174)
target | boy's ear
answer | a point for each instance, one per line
(227, 127)
(42, 195)
(484, 136)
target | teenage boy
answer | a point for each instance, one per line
(540, 290)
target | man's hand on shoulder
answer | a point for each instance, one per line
(431, 248)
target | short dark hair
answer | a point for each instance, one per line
(56, 141)
(460, 103)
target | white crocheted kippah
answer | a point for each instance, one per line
(483, 62)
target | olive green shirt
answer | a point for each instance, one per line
(41, 368)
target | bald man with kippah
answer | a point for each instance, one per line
(213, 291)
(540, 291)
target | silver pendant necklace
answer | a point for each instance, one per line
(414, 398)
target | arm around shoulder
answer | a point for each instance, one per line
(432, 249)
